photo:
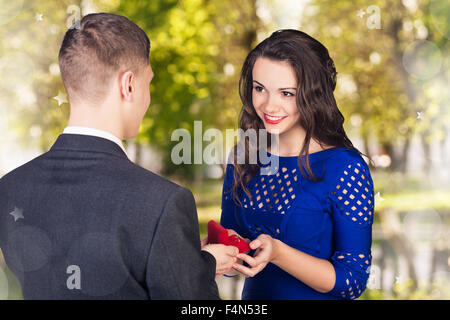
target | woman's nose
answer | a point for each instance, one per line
(272, 105)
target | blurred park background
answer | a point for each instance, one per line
(392, 59)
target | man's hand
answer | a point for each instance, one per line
(225, 256)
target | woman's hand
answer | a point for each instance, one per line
(266, 250)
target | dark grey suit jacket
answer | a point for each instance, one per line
(83, 222)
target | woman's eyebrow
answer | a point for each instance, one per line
(281, 89)
(287, 88)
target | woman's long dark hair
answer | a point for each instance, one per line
(319, 114)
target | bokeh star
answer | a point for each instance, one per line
(419, 115)
(39, 17)
(17, 214)
(378, 198)
(361, 13)
(61, 98)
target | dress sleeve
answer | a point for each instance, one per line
(352, 202)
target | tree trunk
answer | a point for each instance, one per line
(427, 154)
(365, 139)
(403, 161)
(393, 230)
(444, 151)
(390, 150)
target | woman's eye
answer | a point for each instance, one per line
(259, 88)
(287, 94)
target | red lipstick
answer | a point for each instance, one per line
(272, 119)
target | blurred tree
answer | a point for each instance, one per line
(393, 78)
(385, 86)
(197, 46)
(29, 46)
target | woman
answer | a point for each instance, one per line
(310, 220)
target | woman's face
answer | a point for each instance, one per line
(274, 95)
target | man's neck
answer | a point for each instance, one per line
(97, 119)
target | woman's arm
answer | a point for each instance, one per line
(315, 272)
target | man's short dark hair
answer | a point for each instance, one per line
(96, 48)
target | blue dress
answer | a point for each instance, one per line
(330, 219)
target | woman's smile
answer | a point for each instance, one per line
(273, 119)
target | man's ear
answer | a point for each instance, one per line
(127, 85)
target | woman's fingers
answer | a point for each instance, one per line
(258, 261)
(255, 244)
(250, 260)
(255, 265)
(249, 272)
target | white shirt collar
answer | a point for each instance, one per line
(96, 133)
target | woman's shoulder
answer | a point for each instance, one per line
(345, 161)
(344, 156)
(351, 186)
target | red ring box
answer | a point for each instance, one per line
(218, 234)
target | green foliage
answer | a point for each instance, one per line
(191, 43)
(380, 82)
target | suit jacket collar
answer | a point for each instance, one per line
(94, 132)
(80, 142)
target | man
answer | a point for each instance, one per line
(82, 221)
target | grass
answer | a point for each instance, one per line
(415, 200)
